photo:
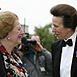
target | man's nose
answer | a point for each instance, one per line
(53, 29)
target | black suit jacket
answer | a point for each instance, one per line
(56, 58)
(2, 66)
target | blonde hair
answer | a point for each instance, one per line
(7, 20)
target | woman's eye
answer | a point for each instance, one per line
(19, 29)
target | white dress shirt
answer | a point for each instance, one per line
(66, 58)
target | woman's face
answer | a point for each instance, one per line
(59, 30)
(16, 33)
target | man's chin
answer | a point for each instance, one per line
(59, 37)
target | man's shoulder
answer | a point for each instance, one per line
(57, 42)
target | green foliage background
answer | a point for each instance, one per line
(47, 37)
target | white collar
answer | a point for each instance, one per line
(73, 37)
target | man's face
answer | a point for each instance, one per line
(59, 30)
(35, 38)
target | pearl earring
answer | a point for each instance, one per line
(8, 38)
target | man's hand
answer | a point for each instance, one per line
(37, 47)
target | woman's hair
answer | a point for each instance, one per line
(68, 13)
(7, 20)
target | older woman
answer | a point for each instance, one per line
(10, 37)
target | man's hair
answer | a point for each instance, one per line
(68, 13)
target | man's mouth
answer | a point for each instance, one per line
(56, 34)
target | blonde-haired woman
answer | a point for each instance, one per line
(10, 36)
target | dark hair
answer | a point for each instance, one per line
(69, 14)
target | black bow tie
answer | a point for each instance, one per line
(68, 42)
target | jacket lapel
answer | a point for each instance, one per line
(74, 62)
(57, 59)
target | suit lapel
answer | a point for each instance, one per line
(74, 62)
(57, 60)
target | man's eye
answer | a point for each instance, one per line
(55, 26)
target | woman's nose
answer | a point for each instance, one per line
(22, 31)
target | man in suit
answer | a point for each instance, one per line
(64, 51)
(38, 59)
